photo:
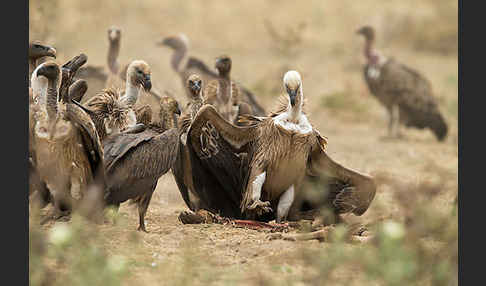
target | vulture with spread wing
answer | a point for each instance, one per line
(256, 171)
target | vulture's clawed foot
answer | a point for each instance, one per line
(142, 228)
(188, 217)
(200, 216)
(57, 215)
(260, 207)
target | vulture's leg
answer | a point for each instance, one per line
(395, 121)
(194, 200)
(256, 205)
(390, 122)
(40, 195)
(284, 203)
(142, 209)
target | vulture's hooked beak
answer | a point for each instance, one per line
(51, 52)
(146, 83)
(164, 42)
(178, 110)
(196, 86)
(292, 96)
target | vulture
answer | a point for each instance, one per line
(194, 85)
(135, 161)
(114, 37)
(37, 102)
(112, 110)
(406, 94)
(182, 167)
(68, 152)
(256, 171)
(36, 52)
(223, 93)
(185, 66)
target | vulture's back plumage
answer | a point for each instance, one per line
(397, 83)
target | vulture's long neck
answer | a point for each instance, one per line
(196, 104)
(52, 97)
(32, 66)
(131, 93)
(370, 53)
(295, 111)
(177, 57)
(113, 52)
(225, 85)
(39, 88)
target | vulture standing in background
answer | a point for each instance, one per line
(135, 161)
(194, 85)
(223, 93)
(68, 151)
(185, 66)
(112, 110)
(405, 93)
(256, 171)
(182, 169)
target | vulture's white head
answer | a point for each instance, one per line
(138, 74)
(293, 86)
(39, 81)
(114, 33)
(177, 42)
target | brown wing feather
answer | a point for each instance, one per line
(235, 136)
(136, 173)
(351, 191)
(89, 135)
(219, 170)
(116, 146)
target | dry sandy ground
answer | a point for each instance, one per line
(328, 55)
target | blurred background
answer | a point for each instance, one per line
(264, 40)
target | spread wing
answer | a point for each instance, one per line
(347, 190)
(218, 154)
(90, 139)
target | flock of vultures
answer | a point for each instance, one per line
(93, 145)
